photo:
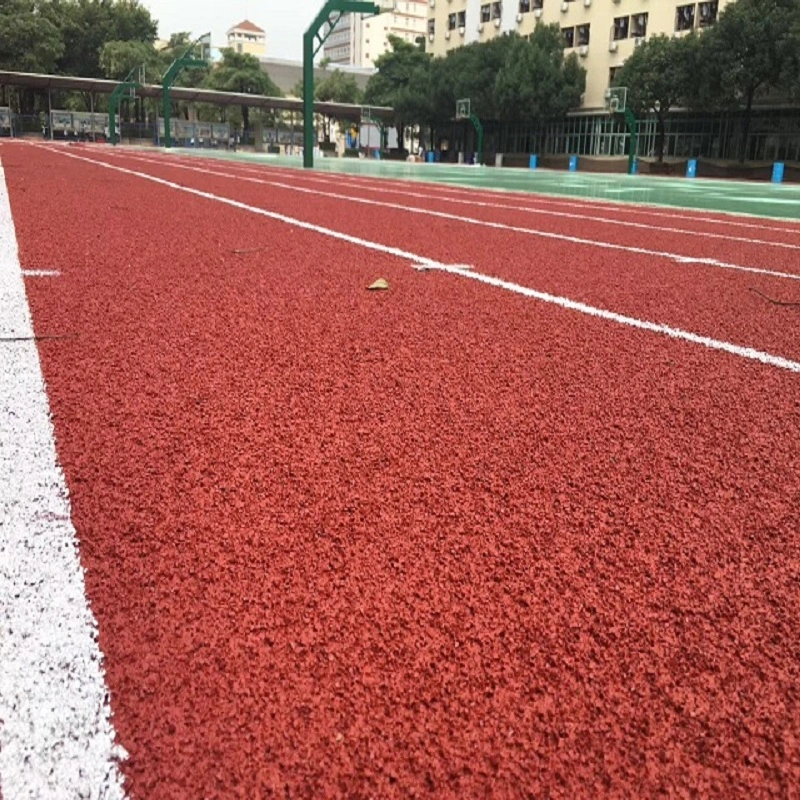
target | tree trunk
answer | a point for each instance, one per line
(245, 119)
(746, 126)
(660, 136)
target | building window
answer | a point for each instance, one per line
(462, 19)
(238, 48)
(708, 14)
(486, 13)
(582, 34)
(612, 75)
(538, 5)
(497, 10)
(639, 25)
(524, 6)
(569, 37)
(621, 28)
(451, 22)
(684, 17)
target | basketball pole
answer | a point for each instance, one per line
(313, 40)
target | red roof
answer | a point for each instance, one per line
(247, 26)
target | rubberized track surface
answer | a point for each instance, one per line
(442, 541)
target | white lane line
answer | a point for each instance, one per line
(384, 190)
(41, 273)
(418, 261)
(56, 736)
(676, 258)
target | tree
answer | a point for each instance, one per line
(87, 25)
(117, 59)
(657, 76)
(747, 52)
(399, 83)
(337, 87)
(241, 72)
(28, 42)
(536, 82)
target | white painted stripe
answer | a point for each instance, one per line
(386, 188)
(41, 273)
(677, 258)
(56, 736)
(417, 261)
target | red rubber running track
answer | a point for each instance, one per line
(441, 541)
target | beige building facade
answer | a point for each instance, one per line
(602, 32)
(358, 41)
(247, 37)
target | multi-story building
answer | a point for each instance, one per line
(248, 38)
(358, 41)
(602, 32)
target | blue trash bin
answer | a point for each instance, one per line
(573, 163)
(778, 171)
(691, 168)
(430, 157)
(534, 162)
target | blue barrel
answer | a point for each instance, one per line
(430, 157)
(777, 172)
(534, 163)
(691, 168)
(635, 166)
(573, 163)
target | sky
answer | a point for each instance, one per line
(283, 22)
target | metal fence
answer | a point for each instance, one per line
(774, 135)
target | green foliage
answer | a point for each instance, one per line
(748, 50)
(536, 82)
(338, 87)
(87, 25)
(117, 59)
(659, 75)
(402, 83)
(242, 73)
(28, 42)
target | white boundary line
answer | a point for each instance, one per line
(41, 273)
(675, 333)
(729, 218)
(676, 258)
(56, 736)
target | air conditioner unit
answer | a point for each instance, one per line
(461, 30)
(447, 34)
(480, 27)
(564, 7)
(583, 50)
(587, 3)
(676, 35)
(497, 22)
(638, 41)
(613, 47)
(430, 37)
(519, 18)
(432, 3)
(537, 12)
